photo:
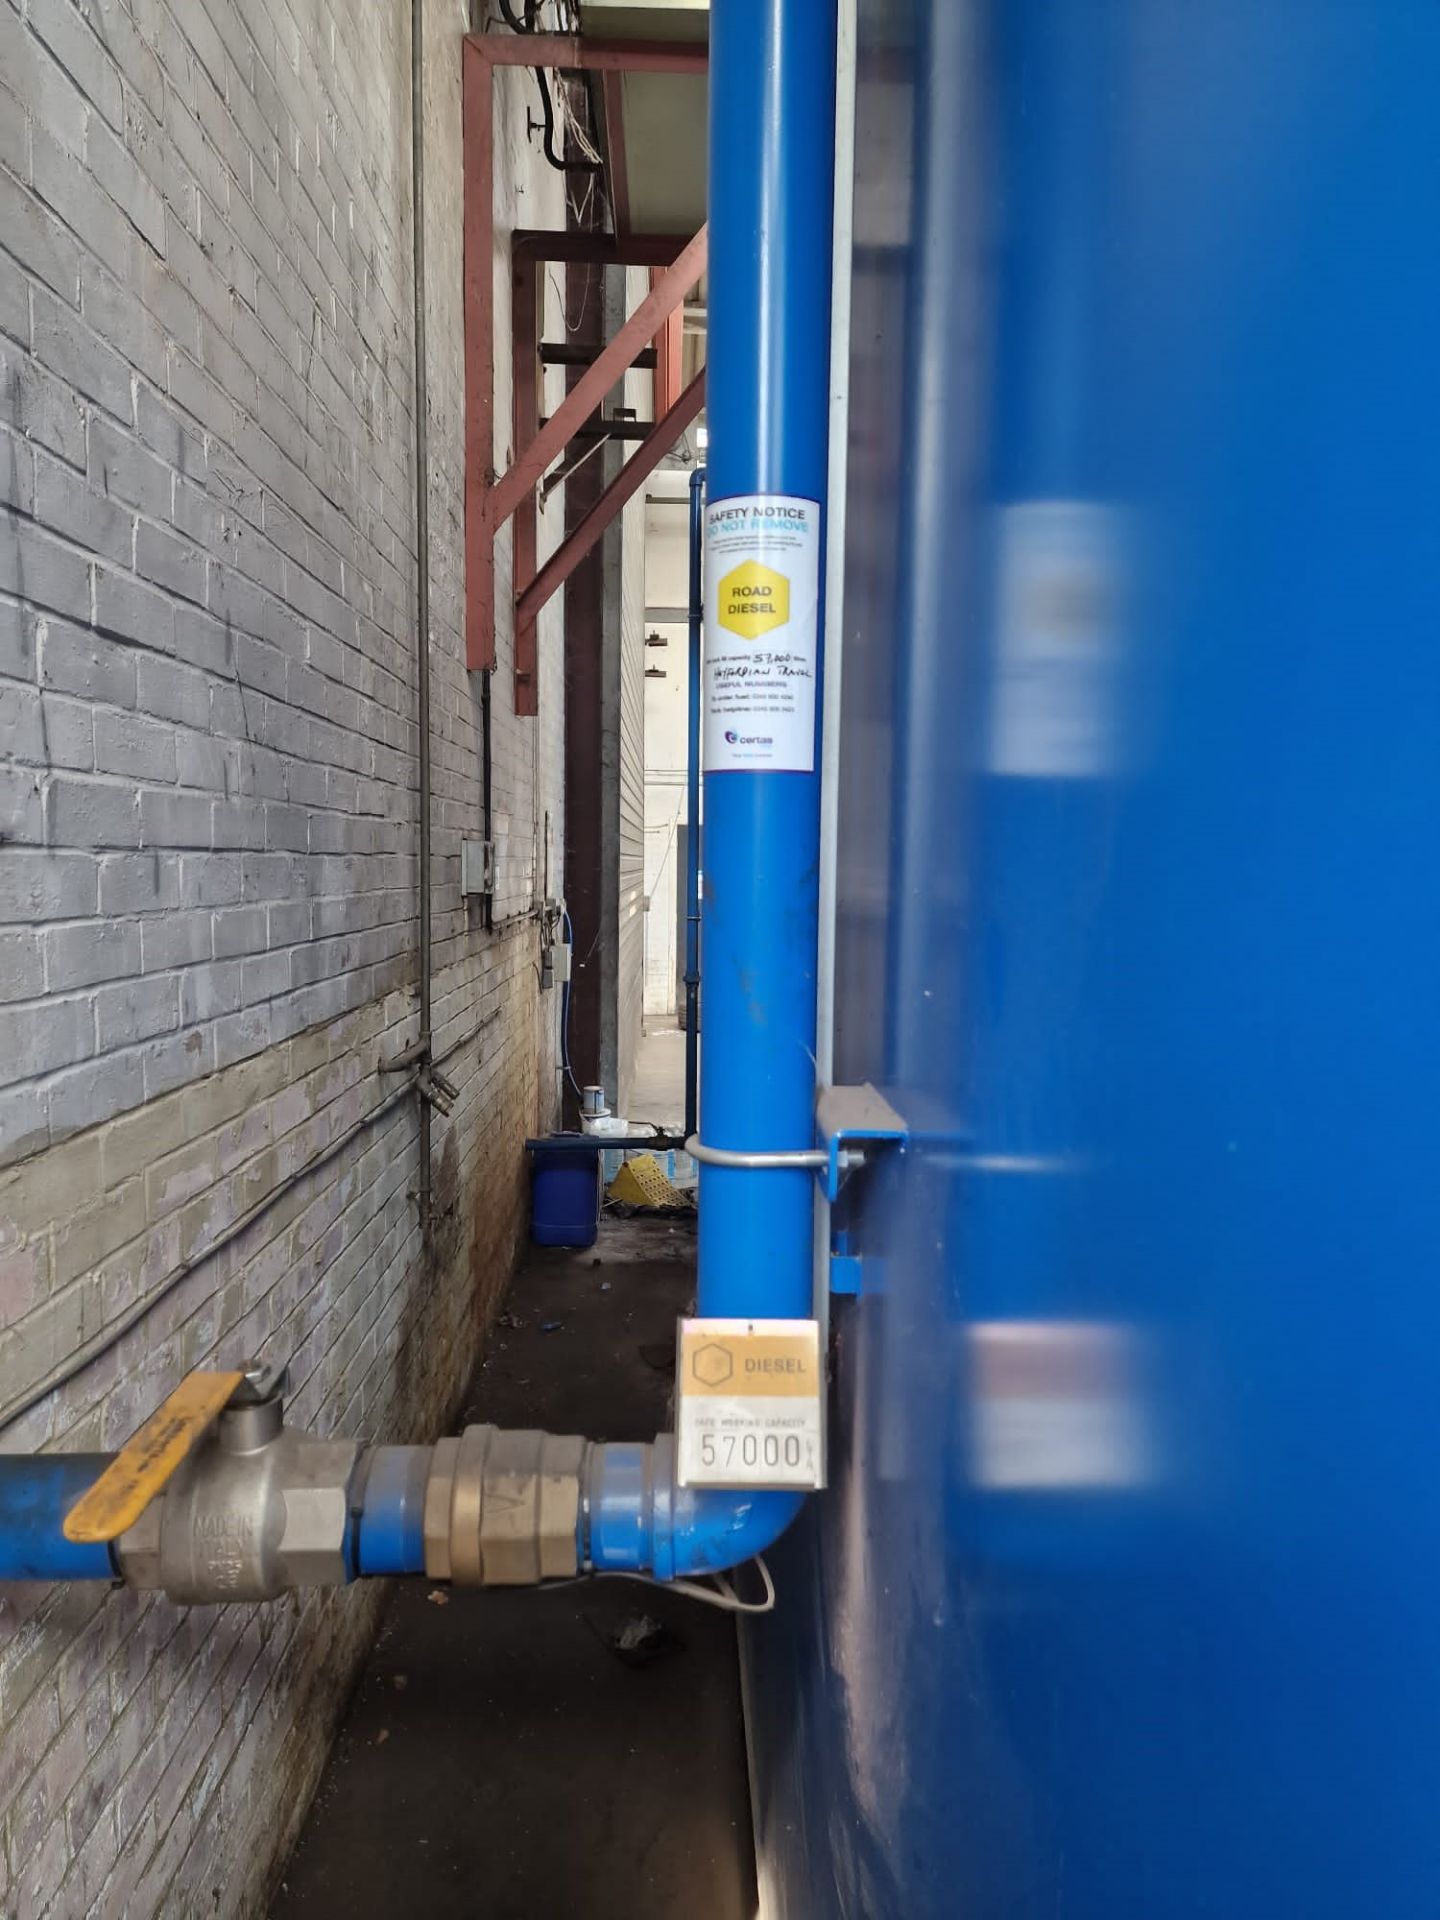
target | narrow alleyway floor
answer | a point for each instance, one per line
(506, 1755)
(658, 1098)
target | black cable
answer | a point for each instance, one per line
(560, 165)
(547, 105)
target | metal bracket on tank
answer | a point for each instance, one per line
(853, 1125)
(850, 1123)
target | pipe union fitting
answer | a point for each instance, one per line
(501, 1508)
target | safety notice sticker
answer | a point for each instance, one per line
(749, 1404)
(762, 606)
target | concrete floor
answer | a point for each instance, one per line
(659, 1092)
(501, 1760)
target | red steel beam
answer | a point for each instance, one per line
(478, 113)
(593, 56)
(593, 385)
(675, 337)
(631, 477)
(525, 409)
(669, 359)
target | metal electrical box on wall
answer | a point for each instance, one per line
(477, 867)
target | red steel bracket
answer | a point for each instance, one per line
(608, 367)
(669, 359)
(635, 472)
(489, 499)
(524, 302)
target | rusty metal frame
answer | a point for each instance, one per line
(491, 498)
(609, 366)
(525, 388)
(669, 358)
(631, 477)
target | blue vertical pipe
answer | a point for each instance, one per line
(692, 809)
(772, 155)
(772, 160)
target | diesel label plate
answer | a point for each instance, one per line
(749, 1404)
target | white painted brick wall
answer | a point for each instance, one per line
(208, 863)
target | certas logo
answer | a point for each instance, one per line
(753, 600)
(749, 739)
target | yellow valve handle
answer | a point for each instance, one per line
(148, 1458)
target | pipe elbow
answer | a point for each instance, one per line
(636, 1519)
(715, 1529)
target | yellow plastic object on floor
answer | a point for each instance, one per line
(640, 1183)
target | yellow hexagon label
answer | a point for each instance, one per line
(752, 600)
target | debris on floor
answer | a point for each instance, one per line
(640, 1183)
(640, 1639)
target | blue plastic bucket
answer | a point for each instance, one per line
(564, 1191)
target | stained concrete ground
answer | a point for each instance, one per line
(502, 1758)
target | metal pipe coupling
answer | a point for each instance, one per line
(502, 1509)
(256, 1509)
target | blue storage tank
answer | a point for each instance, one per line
(1122, 1604)
(564, 1191)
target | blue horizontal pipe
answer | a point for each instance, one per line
(637, 1519)
(391, 1533)
(37, 1490)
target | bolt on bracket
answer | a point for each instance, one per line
(853, 1125)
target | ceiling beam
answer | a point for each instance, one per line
(567, 354)
(601, 249)
(570, 51)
